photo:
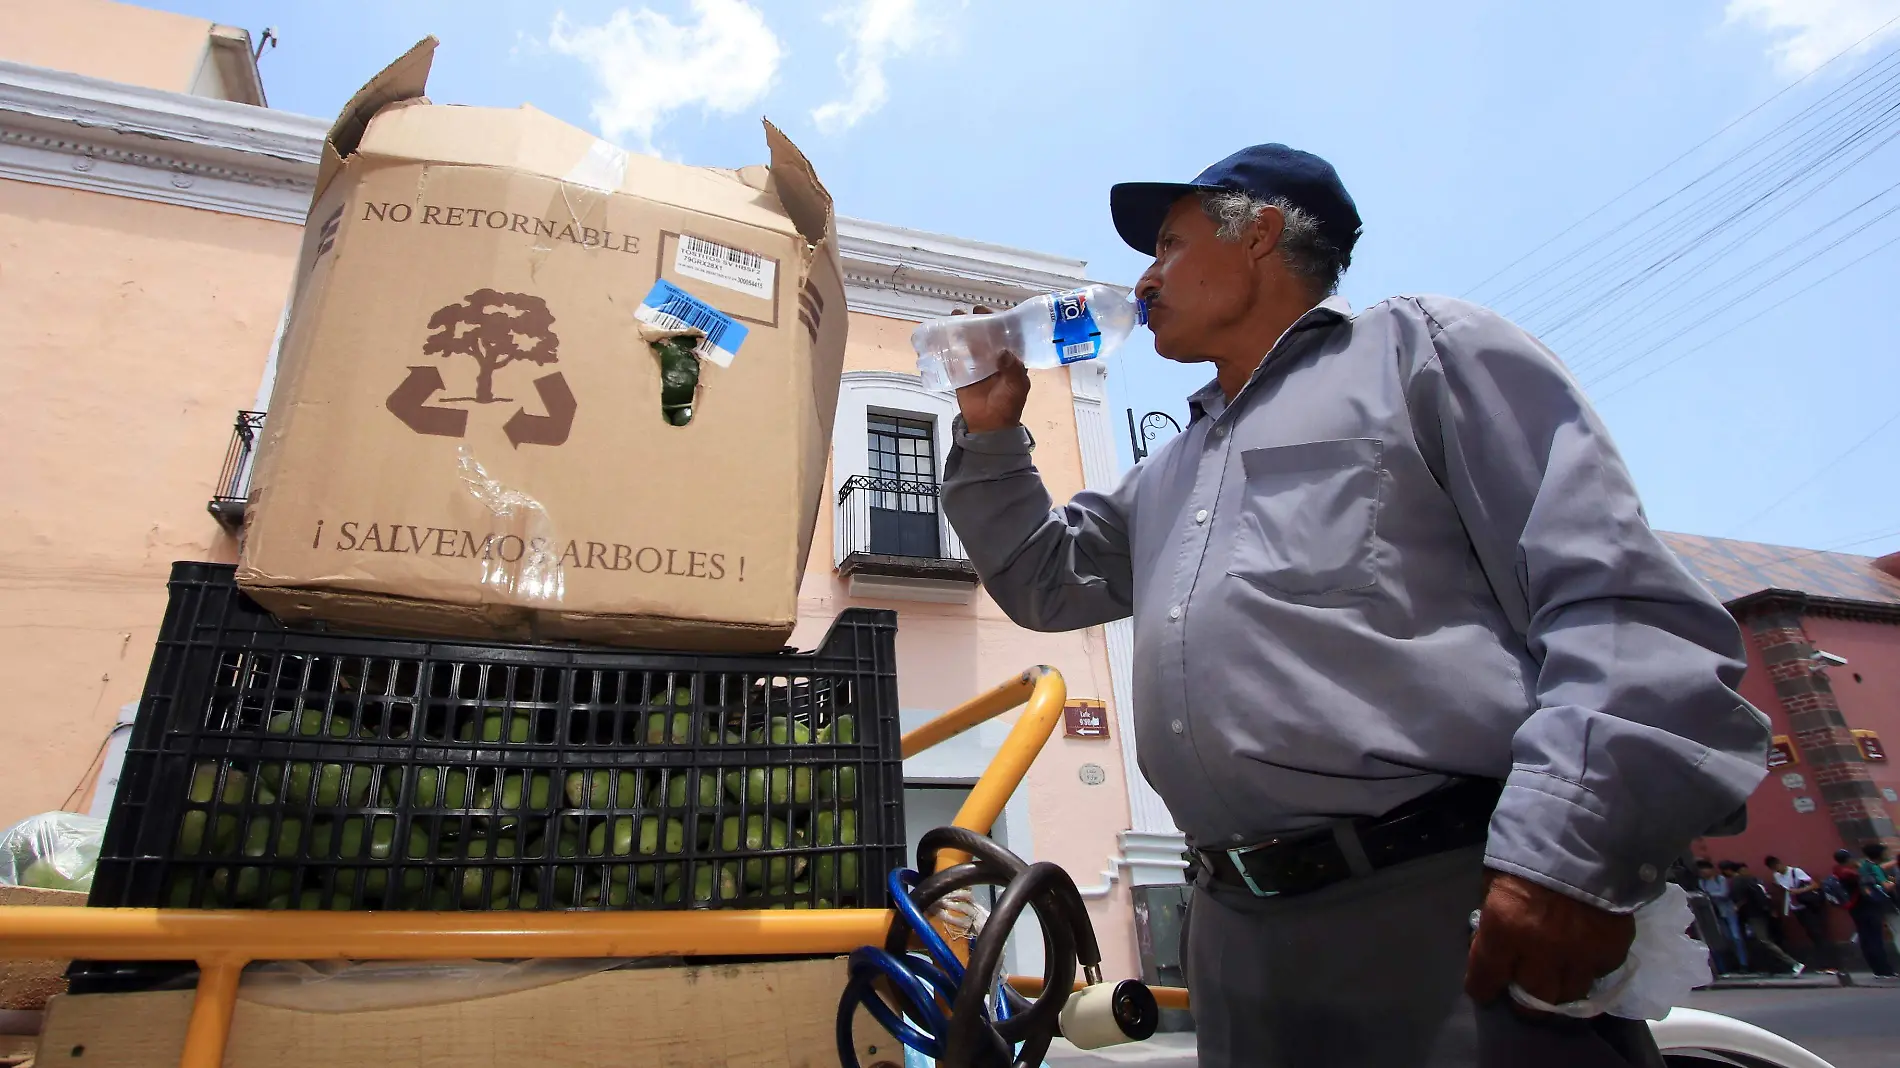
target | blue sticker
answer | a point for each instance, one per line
(669, 307)
(1077, 338)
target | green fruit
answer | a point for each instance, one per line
(751, 834)
(651, 841)
(258, 842)
(382, 837)
(747, 785)
(681, 697)
(204, 783)
(680, 734)
(782, 731)
(391, 792)
(310, 723)
(482, 883)
(603, 789)
(793, 784)
(674, 890)
(676, 789)
(375, 881)
(540, 785)
(421, 846)
(432, 786)
(528, 900)
(330, 785)
(841, 731)
(835, 872)
(191, 833)
(774, 874)
(320, 837)
(43, 875)
(520, 726)
(838, 783)
(563, 895)
(841, 828)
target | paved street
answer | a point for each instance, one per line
(1852, 1027)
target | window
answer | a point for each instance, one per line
(903, 473)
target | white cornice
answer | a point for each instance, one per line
(87, 133)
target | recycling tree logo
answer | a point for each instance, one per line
(495, 330)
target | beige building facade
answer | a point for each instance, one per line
(150, 214)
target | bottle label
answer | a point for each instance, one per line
(1077, 338)
(669, 307)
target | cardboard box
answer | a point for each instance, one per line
(25, 985)
(711, 1016)
(465, 436)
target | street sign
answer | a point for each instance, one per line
(1085, 718)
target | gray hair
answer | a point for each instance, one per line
(1303, 248)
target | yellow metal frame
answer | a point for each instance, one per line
(223, 942)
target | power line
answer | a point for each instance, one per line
(1580, 348)
(1678, 358)
(1743, 117)
(1820, 473)
(1605, 350)
(1856, 84)
(1813, 174)
(1758, 185)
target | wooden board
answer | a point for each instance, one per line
(26, 984)
(777, 1015)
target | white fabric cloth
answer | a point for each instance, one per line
(1788, 880)
(1664, 965)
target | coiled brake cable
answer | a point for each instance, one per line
(975, 1033)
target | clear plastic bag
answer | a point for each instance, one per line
(51, 851)
(356, 986)
(1663, 966)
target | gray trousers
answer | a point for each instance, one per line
(1370, 972)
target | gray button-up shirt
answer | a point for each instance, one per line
(1406, 551)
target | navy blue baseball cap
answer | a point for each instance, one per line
(1266, 171)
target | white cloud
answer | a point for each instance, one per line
(879, 31)
(723, 59)
(1808, 33)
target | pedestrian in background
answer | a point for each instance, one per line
(1802, 902)
(1714, 886)
(1868, 912)
(1756, 911)
(1877, 879)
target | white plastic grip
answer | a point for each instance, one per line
(1108, 1014)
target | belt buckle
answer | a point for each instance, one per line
(1234, 857)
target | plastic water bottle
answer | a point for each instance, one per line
(1053, 330)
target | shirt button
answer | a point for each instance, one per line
(1220, 431)
(1175, 612)
(1647, 873)
(1177, 726)
(1200, 516)
(1236, 837)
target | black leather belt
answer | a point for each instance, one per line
(1451, 817)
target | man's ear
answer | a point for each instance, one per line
(1263, 237)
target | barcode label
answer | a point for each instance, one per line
(733, 268)
(669, 307)
(1082, 351)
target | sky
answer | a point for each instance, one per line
(1732, 335)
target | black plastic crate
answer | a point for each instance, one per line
(298, 767)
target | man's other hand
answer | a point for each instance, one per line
(1553, 946)
(996, 403)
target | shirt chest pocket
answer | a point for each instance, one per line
(1307, 516)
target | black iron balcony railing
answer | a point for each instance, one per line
(233, 487)
(888, 526)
